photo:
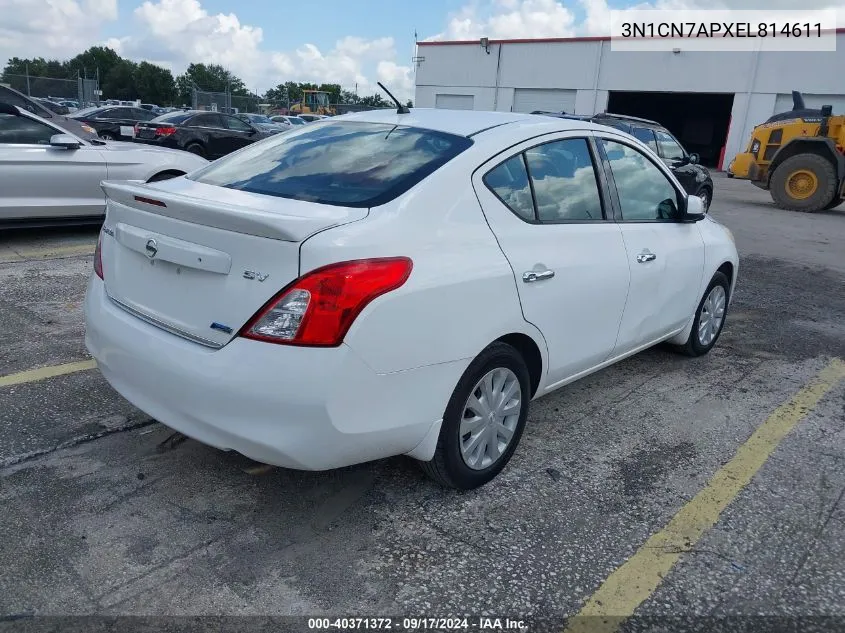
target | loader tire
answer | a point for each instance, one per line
(804, 182)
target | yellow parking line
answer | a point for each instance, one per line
(41, 373)
(637, 579)
(49, 253)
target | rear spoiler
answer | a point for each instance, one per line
(279, 219)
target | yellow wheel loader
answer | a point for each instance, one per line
(799, 156)
(313, 102)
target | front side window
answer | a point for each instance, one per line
(236, 124)
(565, 185)
(509, 181)
(669, 148)
(645, 135)
(645, 193)
(342, 163)
(21, 130)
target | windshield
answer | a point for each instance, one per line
(349, 164)
(79, 114)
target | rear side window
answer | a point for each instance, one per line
(206, 120)
(342, 163)
(509, 181)
(564, 180)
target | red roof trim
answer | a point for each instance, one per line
(544, 40)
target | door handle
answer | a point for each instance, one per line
(537, 275)
(642, 258)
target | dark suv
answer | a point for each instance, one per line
(694, 178)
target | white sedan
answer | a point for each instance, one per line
(385, 284)
(50, 176)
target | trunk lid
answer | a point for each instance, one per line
(199, 260)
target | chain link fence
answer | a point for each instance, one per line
(82, 90)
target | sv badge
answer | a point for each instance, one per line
(251, 274)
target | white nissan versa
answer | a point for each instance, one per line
(384, 283)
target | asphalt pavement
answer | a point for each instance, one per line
(106, 512)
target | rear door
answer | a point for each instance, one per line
(546, 203)
(666, 257)
(41, 181)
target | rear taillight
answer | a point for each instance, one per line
(165, 131)
(137, 129)
(98, 258)
(319, 308)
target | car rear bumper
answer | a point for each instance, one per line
(297, 407)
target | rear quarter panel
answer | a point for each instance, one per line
(461, 294)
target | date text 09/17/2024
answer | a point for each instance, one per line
(483, 623)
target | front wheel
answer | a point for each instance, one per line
(483, 421)
(709, 317)
(804, 182)
(107, 136)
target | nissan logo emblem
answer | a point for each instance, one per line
(151, 248)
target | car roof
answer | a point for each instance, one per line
(462, 122)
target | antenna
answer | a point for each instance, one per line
(400, 109)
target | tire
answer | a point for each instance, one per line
(449, 467)
(165, 175)
(834, 203)
(107, 136)
(825, 188)
(706, 197)
(196, 148)
(695, 345)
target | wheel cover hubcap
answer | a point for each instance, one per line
(712, 315)
(489, 418)
(802, 184)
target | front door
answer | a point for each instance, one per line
(41, 181)
(666, 256)
(546, 205)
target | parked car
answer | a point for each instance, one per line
(287, 119)
(49, 175)
(310, 118)
(207, 134)
(114, 123)
(11, 96)
(387, 284)
(694, 177)
(262, 122)
(53, 106)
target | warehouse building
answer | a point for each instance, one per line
(709, 100)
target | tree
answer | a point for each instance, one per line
(374, 101)
(347, 96)
(210, 78)
(119, 81)
(155, 84)
(89, 62)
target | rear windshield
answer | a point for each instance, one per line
(342, 163)
(173, 117)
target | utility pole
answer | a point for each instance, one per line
(28, 93)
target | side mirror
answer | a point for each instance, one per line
(695, 210)
(694, 158)
(65, 141)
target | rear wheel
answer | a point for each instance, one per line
(196, 148)
(107, 136)
(805, 182)
(483, 421)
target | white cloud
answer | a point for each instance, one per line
(51, 28)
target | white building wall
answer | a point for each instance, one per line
(592, 70)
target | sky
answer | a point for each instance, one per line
(266, 42)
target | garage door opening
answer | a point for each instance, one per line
(699, 120)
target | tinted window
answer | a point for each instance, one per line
(236, 124)
(111, 114)
(85, 112)
(348, 163)
(564, 180)
(140, 114)
(645, 135)
(645, 193)
(173, 117)
(206, 120)
(509, 181)
(669, 147)
(17, 129)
